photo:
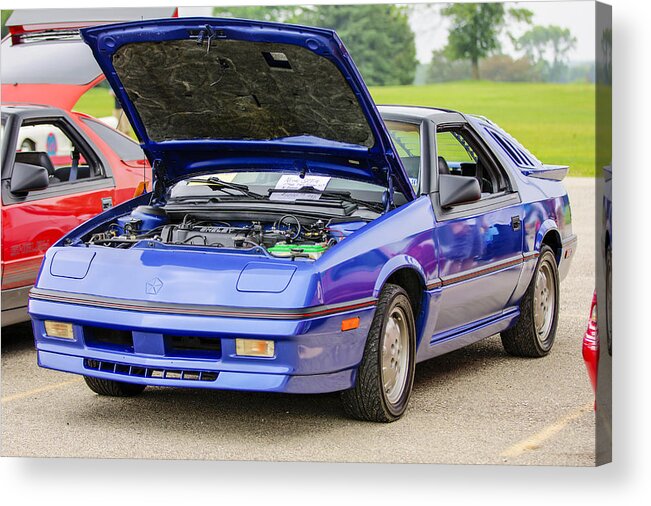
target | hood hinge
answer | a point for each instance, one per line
(391, 156)
(390, 190)
(160, 181)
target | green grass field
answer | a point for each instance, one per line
(556, 122)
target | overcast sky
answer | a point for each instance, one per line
(431, 29)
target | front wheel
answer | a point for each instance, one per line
(386, 374)
(533, 334)
(113, 388)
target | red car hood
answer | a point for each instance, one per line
(45, 62)
(63, 96)
(54, 73)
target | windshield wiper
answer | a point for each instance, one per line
(215, 182)
(330, 195)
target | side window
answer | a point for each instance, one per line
(459, 153)
(454, 149)
(406, 138)
(49, 145)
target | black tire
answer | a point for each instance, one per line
(367, 400)
(113, 388)
(523, 339)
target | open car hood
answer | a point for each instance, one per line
(209, 95)
(54, 73)
(45, 62)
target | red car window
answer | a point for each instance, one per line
(56, 152)
(125, 148)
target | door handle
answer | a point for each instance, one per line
(515, 222)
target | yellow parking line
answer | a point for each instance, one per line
(534, 442)
(36, 391)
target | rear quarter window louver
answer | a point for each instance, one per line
(517, 154)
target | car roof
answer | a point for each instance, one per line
(412, 111)
(407, 111)
(30, 110)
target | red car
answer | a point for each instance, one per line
(59, 168)
(591, 344)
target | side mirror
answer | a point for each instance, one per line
(455, 190)
(27, 177)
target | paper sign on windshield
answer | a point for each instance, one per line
(295, 182)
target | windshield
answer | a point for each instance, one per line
(275, 186)
(278, 188)
(406, 137)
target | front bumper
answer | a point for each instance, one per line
(311, 355)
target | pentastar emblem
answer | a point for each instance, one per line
(153, 286)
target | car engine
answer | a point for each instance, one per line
(288, 236)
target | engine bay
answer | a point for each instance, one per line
(287, 236)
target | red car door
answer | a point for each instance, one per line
(81, 185)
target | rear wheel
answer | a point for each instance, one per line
(533, 334)
(113, 388)
(386, 374)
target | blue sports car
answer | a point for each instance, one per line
(297, 238)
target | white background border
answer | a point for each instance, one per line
(626, 481)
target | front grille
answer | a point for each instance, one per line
(149, 372)
(192, 346)
(106, 338)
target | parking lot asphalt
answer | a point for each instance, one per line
(477, 405)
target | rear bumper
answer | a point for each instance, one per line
(311, 355)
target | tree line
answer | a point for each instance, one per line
(378, 37)
(382, 43)
(473, 48)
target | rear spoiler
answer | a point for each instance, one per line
(552, 172)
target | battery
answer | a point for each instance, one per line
(313, 251)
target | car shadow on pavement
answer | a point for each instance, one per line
(215, 411)
(457, 364)
(16, 339)
(225, 411)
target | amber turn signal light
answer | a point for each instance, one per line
(350, 324)
(59, 329)
(254, 348)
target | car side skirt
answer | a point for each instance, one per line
(445, 342)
